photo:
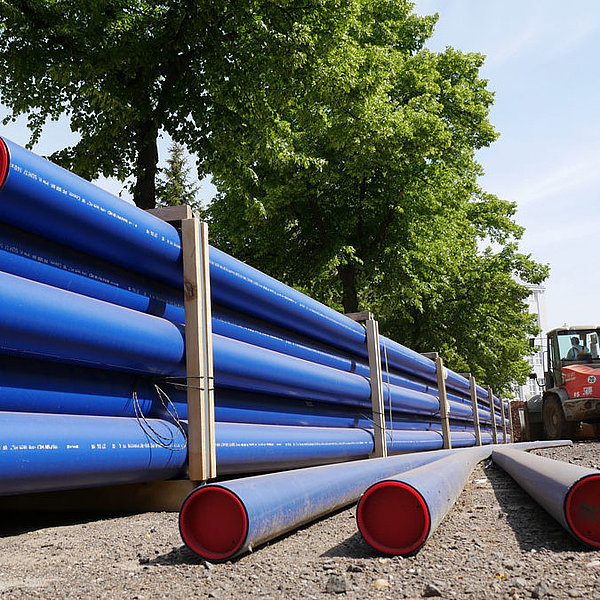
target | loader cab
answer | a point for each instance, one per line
(559, 344)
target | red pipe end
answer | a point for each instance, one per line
(393, 517)
(213, 522)
(4, 162)
(582, 508)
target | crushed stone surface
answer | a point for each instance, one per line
(495, 543)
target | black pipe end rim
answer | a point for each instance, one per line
(393, 518)
(213, 523)
(4, 162)
(582, 510)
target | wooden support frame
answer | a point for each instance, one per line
(202, 455)
(505, 441)
(202, 461)
(442, 374)
(376, 377)
(474, 406)
(493, 409)
(511, 430)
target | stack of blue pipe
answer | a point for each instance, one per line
(92, 369)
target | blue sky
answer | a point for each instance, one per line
(543, 65)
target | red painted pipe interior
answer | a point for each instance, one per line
(4, 162)
(582, 508)
(213, 523)
(393, 517)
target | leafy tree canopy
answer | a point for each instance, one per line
(374, 202)
(125, 70)
(343, 149)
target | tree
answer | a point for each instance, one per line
(174, 186)
(375, 204)
(125, 70)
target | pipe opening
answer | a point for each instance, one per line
(213, 523)
(582, 508)
(393, 517)
(4, 162)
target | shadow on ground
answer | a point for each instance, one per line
(15, 522)
(352, 547)
(534, 528)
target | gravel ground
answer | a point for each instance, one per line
(495, 543)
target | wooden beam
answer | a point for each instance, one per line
(360, 317)
(154, 496)
(430, 355)
(503, 420)
(493, 409)
(376, 378)
(475, 407)
(173, 213)
(198, 348)
(442, 373)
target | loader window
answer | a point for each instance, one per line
(587, 346)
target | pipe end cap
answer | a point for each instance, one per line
(582, 508)
(4, 162)
(213, 523)
(393, 517)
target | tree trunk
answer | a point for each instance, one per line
(144, 192)
(347, 274)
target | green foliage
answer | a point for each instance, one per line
(373, 201)
(174, 186)
(210, 74)
(344, 151)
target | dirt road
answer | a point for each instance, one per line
(495, 543)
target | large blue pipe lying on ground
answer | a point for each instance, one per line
(570, 493)
(221, 520)
(68, 208)
(397, 515)
(43, 452)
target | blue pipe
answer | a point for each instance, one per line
(38, 386)
(37, 259)
(95, 222)
(51, 202)
(42, 452)
(219, 521)
(396, 515)
(41, 321)
(32, 258)
(570, 493)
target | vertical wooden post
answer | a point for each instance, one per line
(473, 388)
(503, 420)
(376, 387)
(511, 430)
(493, 409)
(199, 355)
(442, 373)
(375, 373)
